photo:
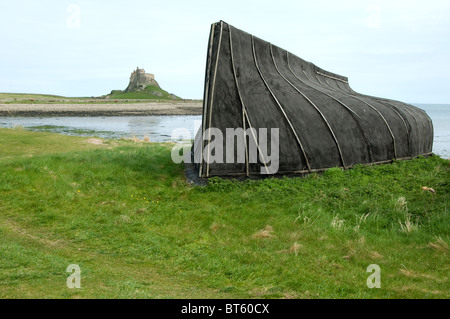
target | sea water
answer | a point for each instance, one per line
(440, 115)
(159, 128)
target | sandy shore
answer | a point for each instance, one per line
(113, 109)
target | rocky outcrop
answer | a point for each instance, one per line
(139, 80)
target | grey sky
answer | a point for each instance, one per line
(393, 49)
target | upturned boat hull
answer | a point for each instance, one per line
(321, 121)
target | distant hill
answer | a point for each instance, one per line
(142, 85)
(23, 96)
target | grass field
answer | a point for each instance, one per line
(152, 93)
(26, 96)
(29, 98)
(123, 212)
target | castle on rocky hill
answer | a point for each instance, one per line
(139, 80)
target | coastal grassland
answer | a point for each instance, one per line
(124, 213)
(30, 98)
(23, 96)
(20, 143)
(150, 93)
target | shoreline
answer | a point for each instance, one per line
(113, 109)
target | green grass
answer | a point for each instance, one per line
(23, 96)
(19, 143)
(151, 92)
(123, 213)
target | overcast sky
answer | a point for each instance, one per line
(393, 49)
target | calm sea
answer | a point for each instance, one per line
(440, 115)
(160, 128)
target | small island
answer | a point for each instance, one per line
(142, 86)
(142, 97)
